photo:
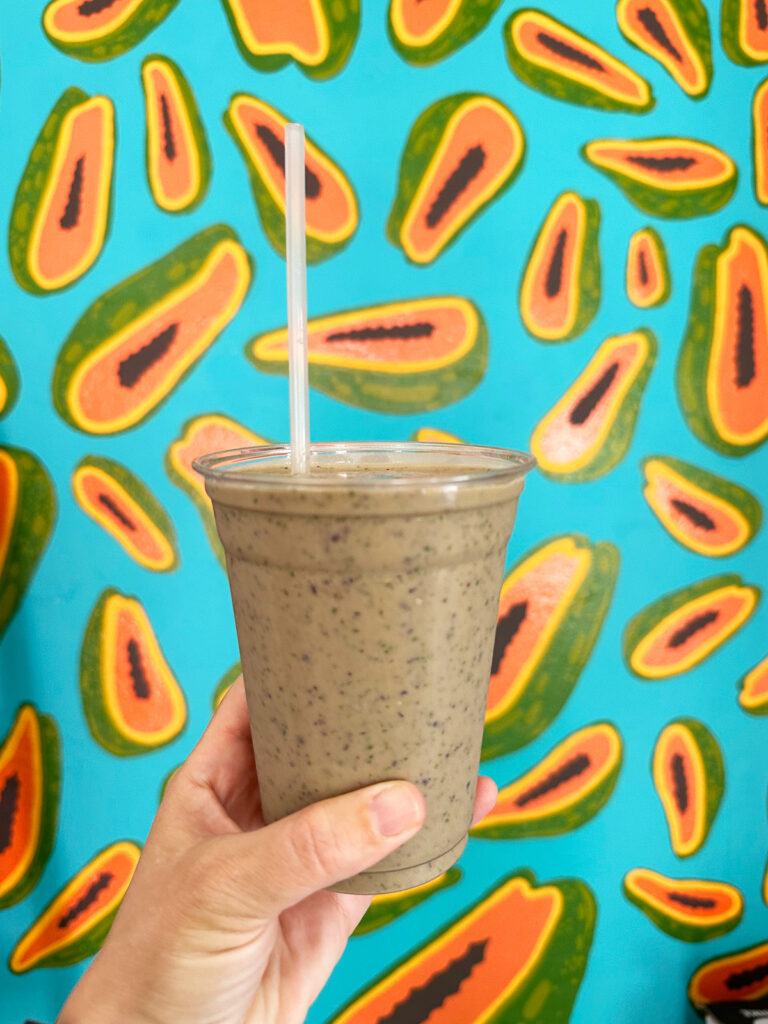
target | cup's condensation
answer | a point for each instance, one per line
(365, 619)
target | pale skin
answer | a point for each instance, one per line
(228, 920)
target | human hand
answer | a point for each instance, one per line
(228, 920)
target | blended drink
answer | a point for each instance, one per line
(365, 596)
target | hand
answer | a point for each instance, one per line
(226, 920)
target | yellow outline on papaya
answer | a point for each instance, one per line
(447, 937)
(76, 37)
(30, 847)
(671, 812)
(155, 132)
(396, 15)
(102, 194)
(108, 524)
(426, 182)
(661, 54)
(182, 365)
(758, 146)
(739, 236)
(617, 399)
(13, 477)
(680, 185)
(115, 604)
(749, 701)
(663, 881)
(261, 347)
(700, 652)
(333, 170)
(286, 46)
(652, 475)
(584, 557)
(184, 469)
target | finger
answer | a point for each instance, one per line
(485, 799)
(258, 875)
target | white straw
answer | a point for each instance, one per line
(296, 275)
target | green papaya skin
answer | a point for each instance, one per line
(108, 44)
(470, 19)
(383, 911)
(695, 930)
(730, 16)
(225, 682)
(10, 380)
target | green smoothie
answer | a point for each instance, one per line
(365, 598)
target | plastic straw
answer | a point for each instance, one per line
(296, 275)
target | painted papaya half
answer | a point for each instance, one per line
(388, 907)
(589, 430)
(648, 281)
(425, 33)
(753, 686)
(676, 34)
(331, 205)
(317, 34)
(551, 609)
(61, 212)
(126, 508)
(223, 685)
(9, 380)
(431, 435)
(689, 776)
(177, 153)
(722, 371)
(479, 967)
(560, 290)
(682, 628)
(95, 30)
(735, 977)
(563, 791)
(210, 432)
(744, 31)
(690, 909)
(666, 177)
(27, 515)
(131, 699)
(400, 357)
(704, 512)
(30, 780)
(76, 921)
(555, 59)
(136, 342)
(462, 152)
(760, 142)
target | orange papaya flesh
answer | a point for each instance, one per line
(690, 909)
(735, 977)
(420, 23)
(760, 142)
(754, 689)
(744, 31)
(676, 34)
(96, 30)
(647, 270)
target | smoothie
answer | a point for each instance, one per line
(365, 598)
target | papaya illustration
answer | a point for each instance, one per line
(400, 357)
(178, 157)
(94, 30)
(136, 342)
(317, 34)
(225, 682)
(689, 776)
(425, 33)
(462, 152)
(567, 788)
(690, 909)
(391, 905)
(30, 780)
(722, 371)
(478, 966)
(166, 779)
(559, 61)
(331, 205)
(126, 508)
(131, 699)
(704, 512)
(681, 629)
(77, 920)
(760, 142)
(744, 31)
(560, 290)
(753, 687)
(589, 430)
(676, 34)
(9, 380)
(61, 212)
(431, 435)
(551, 608)
(735, 977)
(648, 280)
(666, 177)
(210, 432)
(27, 514)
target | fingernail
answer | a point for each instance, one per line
(396, 808)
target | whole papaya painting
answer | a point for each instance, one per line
(540, 228)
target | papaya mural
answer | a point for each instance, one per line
(536, 227)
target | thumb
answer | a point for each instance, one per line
(262, 873)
